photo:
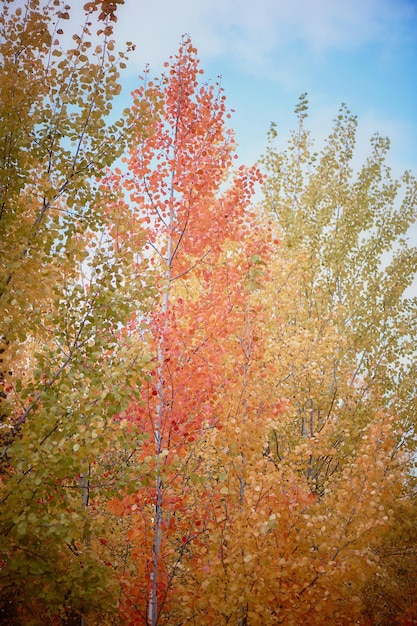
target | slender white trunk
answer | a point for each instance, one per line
(153, 608)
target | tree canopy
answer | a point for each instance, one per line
(208, 401)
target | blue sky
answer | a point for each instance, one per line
(268, 52)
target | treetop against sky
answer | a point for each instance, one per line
(214, 423)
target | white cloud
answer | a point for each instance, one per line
(251, 32)
(281, 42)
(267, 38)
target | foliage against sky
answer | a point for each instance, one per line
(205, 401)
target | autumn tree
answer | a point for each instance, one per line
(65, 290)
(343, 318)
(345, 239)
(390, 596)
(249, 515)
(253, 476)
(205, 246)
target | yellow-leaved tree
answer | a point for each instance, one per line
(65, 290)
(344, 319)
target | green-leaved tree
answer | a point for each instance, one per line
(67, 288)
